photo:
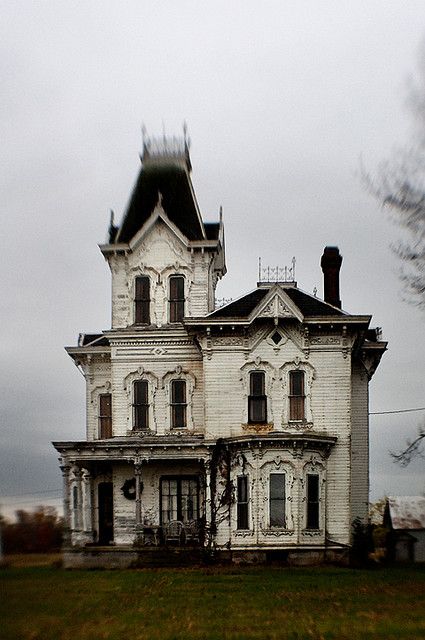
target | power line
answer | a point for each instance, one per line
(380, 413)
(30, 493)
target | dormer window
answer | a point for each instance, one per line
(176, 299)
(142, 300)
(296, 396)
(257, 399)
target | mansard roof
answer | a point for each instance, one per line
(307, 304)
(164, 176)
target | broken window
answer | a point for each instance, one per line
(296, 395)
(142, 300)
(176, 298)
(242, 502)
(105, 415)
(277, 500)
(140, 405)
(312, 501)
(257, 400)
(178, 404)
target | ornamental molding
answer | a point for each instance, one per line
(277, 533)
(258, 428)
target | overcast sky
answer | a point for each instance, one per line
(283, 100)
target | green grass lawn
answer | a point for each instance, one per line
(214, 603)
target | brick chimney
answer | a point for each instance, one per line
(331, 263)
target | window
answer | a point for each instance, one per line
(140, 405)
(312, 501)
(142, 300)
(179, 499)
(296, 395)
(178, 404)
(277, 500)
(242, 503)
(257, 400)
(105, 415)
(176, 298)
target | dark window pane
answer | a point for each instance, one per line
(140, 405)
(105, 415)
(296, 395)
(242, 503)
(178, 416)
(312, 501)
(257, 400)
(257, 409)
(142, 300)
(277, 500)
(176, 298)
(257, 383)
(296, 383)
(178, 391)
(276, 337)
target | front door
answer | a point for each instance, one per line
(106, 513)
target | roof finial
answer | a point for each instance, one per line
(111, 220)
(221, 213)
(144, 131)
(159, 201)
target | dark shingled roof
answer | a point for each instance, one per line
(211, 230)
(307, 304)
(173, 182)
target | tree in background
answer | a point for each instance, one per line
(400, 187)
(38, 531)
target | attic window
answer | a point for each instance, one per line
(276, 337)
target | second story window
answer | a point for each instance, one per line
(142, 300)
(176, 298)
(257, 399)
(178, 404)
(105, 415)
(140, 405)
(296, 395)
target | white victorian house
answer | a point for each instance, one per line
(240, 430)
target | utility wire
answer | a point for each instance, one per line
(31, 493)
(381, 413)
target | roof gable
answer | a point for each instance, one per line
(276, 304)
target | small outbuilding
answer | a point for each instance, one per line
(405, 518)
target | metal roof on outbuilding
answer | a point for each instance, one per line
(407, 512)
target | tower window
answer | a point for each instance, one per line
(296, 395)
(142, 300)
(257, 400)
(140, 405)
(105, 415)
(178, 404)
(176, 298)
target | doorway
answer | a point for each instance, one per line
(106, 512)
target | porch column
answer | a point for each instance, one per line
(87, 501)
(138, 475)
(65, 468)
(208, 504)
(77, 500)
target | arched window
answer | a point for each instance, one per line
(257, 399)
(296, 395)
(140, 405)
(176, 299)
(142, 300)
(178, 404)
